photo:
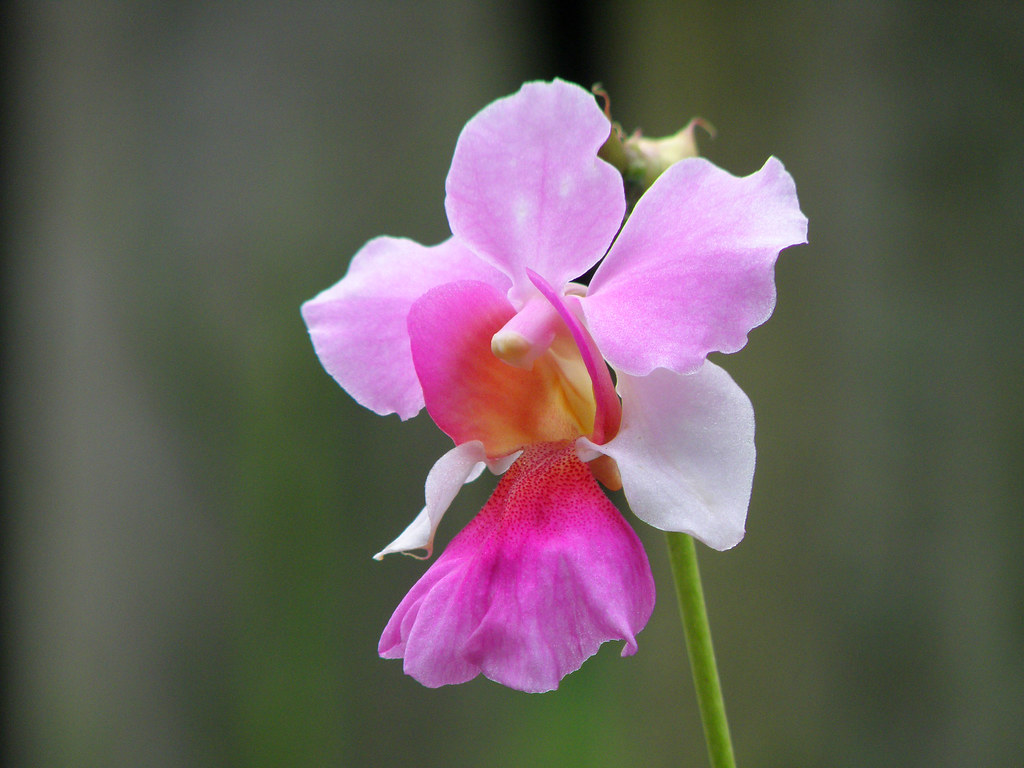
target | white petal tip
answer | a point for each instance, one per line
(724, 544)
(412, 552)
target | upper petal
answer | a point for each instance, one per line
(358, 325)
(531, 588)
(686, 452)
(692, 270)
(526, 188)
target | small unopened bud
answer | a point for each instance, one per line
(649, 158)
(641, 160)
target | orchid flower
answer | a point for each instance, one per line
(513, 359)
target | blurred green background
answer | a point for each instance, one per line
(193, 503)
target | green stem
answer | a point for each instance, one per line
(683, 555)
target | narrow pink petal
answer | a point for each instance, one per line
(526, 188)
(460, 465)
(692, 270)
(686, 452)
(530, 589)
(358, 325)
(470, 393)
(609, 412)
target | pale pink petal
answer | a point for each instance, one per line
(546, 573)
(686, 452)
(358, 325)
(470, 393)
(526, 188)
(460, 465)
(692, 270)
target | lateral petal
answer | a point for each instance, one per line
(358, 325)
(685, 452)
(526, 188)
(461, 465)
(546, 573)
(470, 393)
(693, 269)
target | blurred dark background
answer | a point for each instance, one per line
(192, 503)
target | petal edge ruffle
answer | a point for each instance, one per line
(693, 269)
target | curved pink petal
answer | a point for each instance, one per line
(546, 573)
(470, 393)
(358, 325)
(692, 270)
(526, 188)
(686, 452)
(608, 411)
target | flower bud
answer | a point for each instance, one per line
(641, 160)
(649, 158)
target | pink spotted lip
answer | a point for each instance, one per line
(541, 577)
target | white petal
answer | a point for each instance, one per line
(462, 464)
(686, 452)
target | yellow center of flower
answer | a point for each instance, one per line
(516, 378)
(537, 395)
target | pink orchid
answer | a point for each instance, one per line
(511, 359)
